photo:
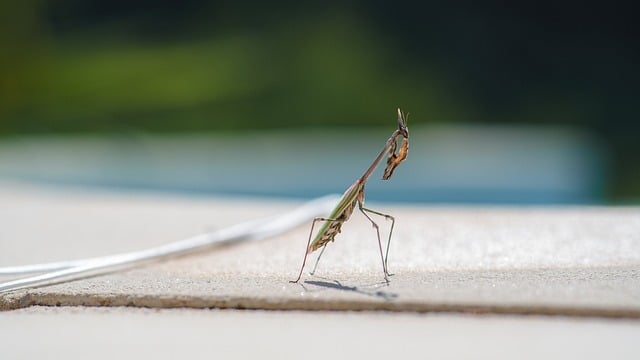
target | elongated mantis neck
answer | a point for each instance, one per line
(376, 161)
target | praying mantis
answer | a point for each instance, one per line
(354, 196)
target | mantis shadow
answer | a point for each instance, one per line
(336, 285)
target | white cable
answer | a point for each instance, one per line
(251, 230)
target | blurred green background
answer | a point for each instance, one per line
(121, 67)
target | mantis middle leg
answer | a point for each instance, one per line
(383, 257)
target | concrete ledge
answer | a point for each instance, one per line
(576, 261)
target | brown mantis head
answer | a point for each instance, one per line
(394, 158)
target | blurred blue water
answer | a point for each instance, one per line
(463, 164)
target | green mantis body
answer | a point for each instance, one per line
(354, 197)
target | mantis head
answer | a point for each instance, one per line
(394, 158)
(402, 124)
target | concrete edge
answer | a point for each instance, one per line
(24, 299)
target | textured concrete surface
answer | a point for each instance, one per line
(534, 260)
(115, 333)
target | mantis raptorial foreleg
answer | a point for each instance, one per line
(384, 257)
(306, 250)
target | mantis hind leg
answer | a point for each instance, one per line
(315, 266)
(306, 250)
(384, 257)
